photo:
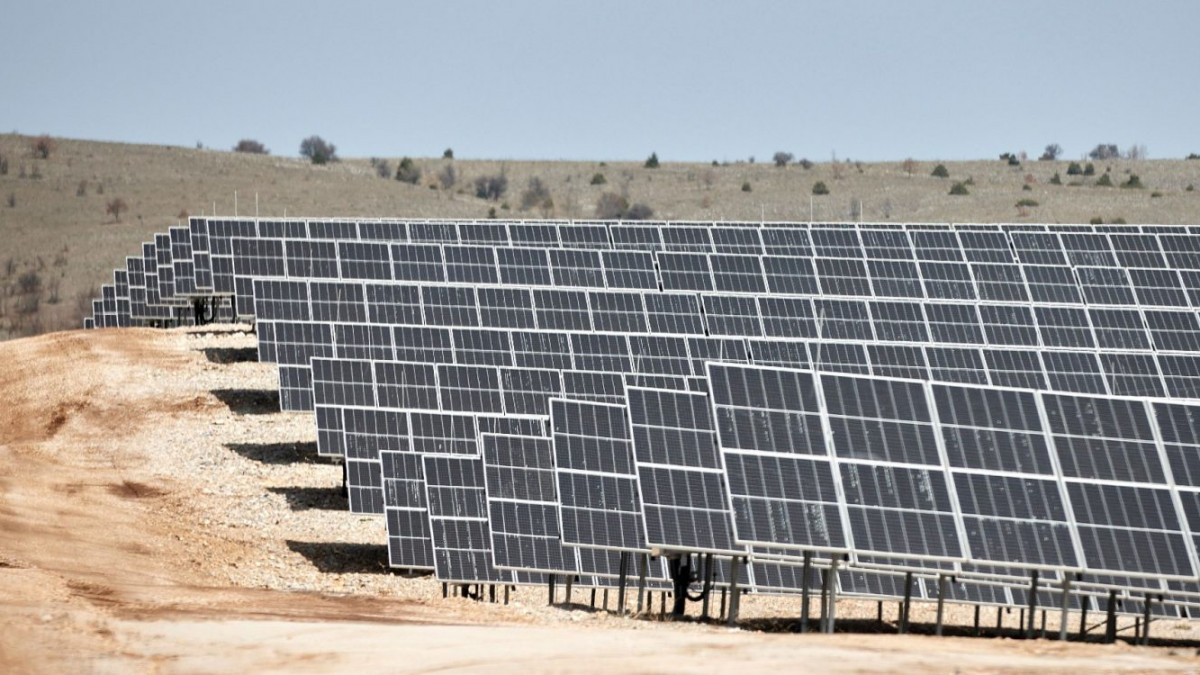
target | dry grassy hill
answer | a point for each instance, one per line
(53, 219)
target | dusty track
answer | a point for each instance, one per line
(155, 516)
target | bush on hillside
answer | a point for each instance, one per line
(407, 172)
(611, 206)
(782, 159)
(959, 189)
(1105, 151)
(940, 171)
(652, 161)
(535, 194)
(318, 150)
(251, 146)
(1104, 181)
(746, 187)
(819, 188)
(598, 179)
(42, 146)
(491, 187)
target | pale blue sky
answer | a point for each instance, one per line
(611, 80)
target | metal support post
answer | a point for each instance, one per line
(1033, 591)
(1146, 621)
(907, 604)
(708, 579)
(831, 620)
(1064, 607)
(643, 566)
(1110, 628)
(941, 603)
(804, 593)
(621, 583)
(734, 569)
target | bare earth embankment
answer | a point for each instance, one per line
(157, 515)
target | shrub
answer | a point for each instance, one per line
(407, 172)
(12, 200)
(3, 165)
(492, 213)
(782, 159)
(1027, 202)
(652, 161)
(29, 282)
(42, 146)
(940, 171)
(746, 186)
(611, 206)
(909, 166)
(383, 168)
(1096, 221)
(447, 177)
(1104, 181)
(1089, 170)
(1051, 152)
(448, 153)
(1056, 179)
(1027, 187)
(1073, 169)
(1133, 183)
(639, 212)
(819, 188)
(1105, 151)
(805, 163)
(598, 179)
(251, 146)
(1190, 188)
(491, 187)
(115, 207)
(1193, 156)
(1155, 195)
(535, 194)
(81, 189)
(959, 189)
(318, 150)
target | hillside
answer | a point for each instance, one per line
(53, 219)
(158, 514)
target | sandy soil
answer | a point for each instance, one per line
(156, 515)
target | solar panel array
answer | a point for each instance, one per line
(530, 398)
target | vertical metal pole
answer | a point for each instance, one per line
(907, 602)
(824, 601)
(804, 592)
(721, 607)
(977, 619)
(606, 599)
(621, 583)
(506, 589)
(492, 593)
(734, 568)
(879, 612)
(941, 603)
(1033, 591)
(593, 598)
(708, 580)
(643, 564)
(1083, 608)
(550, 587)
(831, 621)
(1146, 621)
(1110, 628)
(445, 589)
(999, 620)
(570, 581)
(1042, 632)
(1065, 606)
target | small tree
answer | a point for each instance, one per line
(959, 189)
(598, 179)
(909, 166)
(1073, 169)
(407, 172)
(1051, 153)
(1104, 181)
(535, 194)
(940, 171)
(491, 187)
(115, 207)
(448, 154)
(611, 206)
(1056, 179)
(42, 146)
(652, 161)
(746, 187)
(251, 146)
(318, 150)
(383, 168)
(1105, 151)
(782, 159)
(819, 188)
(1133, 182)
(447, 177)
(1089, 170)
(805, 163)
